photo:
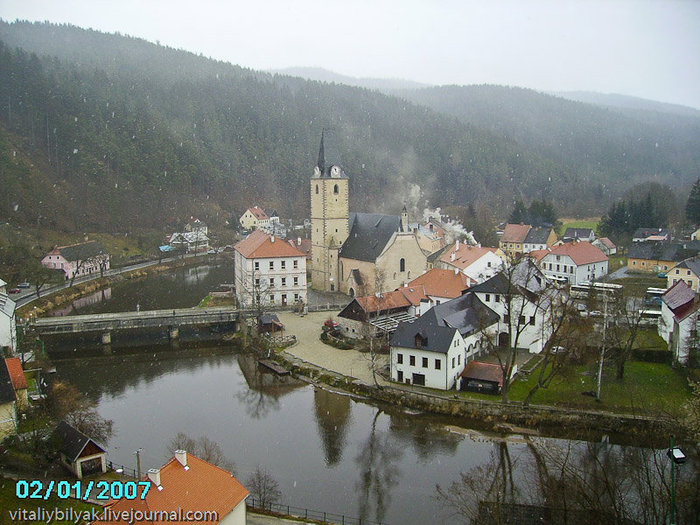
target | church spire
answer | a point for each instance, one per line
(328, 164)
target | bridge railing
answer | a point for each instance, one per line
(308, 514)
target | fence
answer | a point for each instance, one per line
(124, 471)
(301, 512)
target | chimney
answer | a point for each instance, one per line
(298, 241)
(456, 271)
(272, 238)
(452, 256)
(457, 245)
(154, 476)
(181, 456)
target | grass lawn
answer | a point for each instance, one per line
(646, 388)
(575, 223)
(10, 502)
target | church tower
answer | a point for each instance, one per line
(329, 215)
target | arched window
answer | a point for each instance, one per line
(316, 189)
(335, 189)
(402, 265)
(351, 291)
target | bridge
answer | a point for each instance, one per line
(107, 323)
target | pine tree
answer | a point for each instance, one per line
(692, 208)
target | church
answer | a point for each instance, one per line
(356, 253)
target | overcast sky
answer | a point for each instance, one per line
(649, 49)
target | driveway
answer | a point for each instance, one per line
(310, 348)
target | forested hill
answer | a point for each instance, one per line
(106, 132)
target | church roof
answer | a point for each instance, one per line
(328, 155)
(369, 234)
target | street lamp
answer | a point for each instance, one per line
(677, 457)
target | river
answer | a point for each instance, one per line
(327, 451)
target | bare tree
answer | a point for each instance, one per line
(263, 487)
(622, 333)
(204, 448)
(65, 402)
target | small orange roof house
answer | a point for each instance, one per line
(478, 262)
(184, 490)
(19, 382)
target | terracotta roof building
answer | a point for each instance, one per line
(477, 262)
(573, 262)
(519, 239)
(19, 382)
(253, 218)
(190, 486)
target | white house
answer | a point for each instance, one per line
(269, 271)
(78, 259)
(477, 262)
(8, 403)
(190, 241)
(573, 262)
(680, 321)
(8, 327)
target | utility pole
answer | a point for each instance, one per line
(602, 349)
(138, 463)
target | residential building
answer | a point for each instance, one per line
(195, 241)
(187, 485)
(8, 404)
(519, 239)
(573, 262)
(606, 246)
(695, 236)
(477, 262)
(268, 271)
(78, 260)
(482, 377)
(3, 287)
(19, 382)
(8, 326)
(651, 235)
(356, 253)
(579, 234)
(655, 257)
(253, 218)
(680, 322)
(79, 453)
(687, 270)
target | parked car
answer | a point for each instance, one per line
(24, 285)
(329, 325)
(14, 290)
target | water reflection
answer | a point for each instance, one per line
(332, 413)
(262, 389)
(100, 296)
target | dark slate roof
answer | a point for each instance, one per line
(692, 263)
(524, 275)
(83, 251)
(660, 251)
(7, 391)
(369, 234)
(328, 155)
(435, 338)
(643, 233)
(436, 255)
(73, 441)
(537, 236)
(578, 233)
(269, 319)
(466, 313)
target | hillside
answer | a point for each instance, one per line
(112, 133)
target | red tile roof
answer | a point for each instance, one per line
(464, 255)
(681, 300)
(259, 213)
(14, 367)
(440, 283)
(259, 245)
(581, 252)
(386, 301)
(303, 245)
(483, 372)
(200, 487)
(515, 232)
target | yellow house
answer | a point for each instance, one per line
(253, 218)
(519, 239)
(656, 257)
(688, 271)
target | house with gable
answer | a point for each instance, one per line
(680, 322)
(8, 325)
(606, 246)
(651, 235)
(79, 453)
(477, 262)
(186, 486)
(78, 260)
(574, 262)
(655, 257)
(433, 350)
(269, 270)
(19, 382)
(687, 270)
(253, 218)
(579, 234)
(519, 239)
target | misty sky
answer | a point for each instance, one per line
(649, 49)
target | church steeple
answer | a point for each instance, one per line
(328, 164)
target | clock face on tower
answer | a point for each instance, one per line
(317, 171)
(335, 171)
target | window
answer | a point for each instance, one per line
(272, 298)
(521, 319)
(402, 265)
(497, 298)
(532, 320)
(400, 376)
(316, 189)
(296, 297)
(425, 362)
(296, 281)
(295, 264)
(284, 281)
(557, 267)
(257, 282)
(257, 265)
(677, 271)
(488, 264)
(488, 298)
(272, 282)
(438, 364)
(459, 360)
(412, 360)
(272, 265)
(283, 264)
(335, 189)
(453, 362)
(399, 358)
(506, 318)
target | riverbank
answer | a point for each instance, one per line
(351, 371)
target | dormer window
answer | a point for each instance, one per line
(420, 341)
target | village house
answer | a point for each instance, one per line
(433, 350)
(194, 239)
(253, 218)
(8, 326)
(8, 404)
(384, 311)
(579, 234)
(187, 484)
(656, 257)
(78, 260)
(268, 271)
(477, 262)
(687, 270)
(19, 382)
(573, 262)
(651, 235)
(606, 246)
(519, 239)
(680, 322)
(431, 235)
(79, 453)
(356, 253)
